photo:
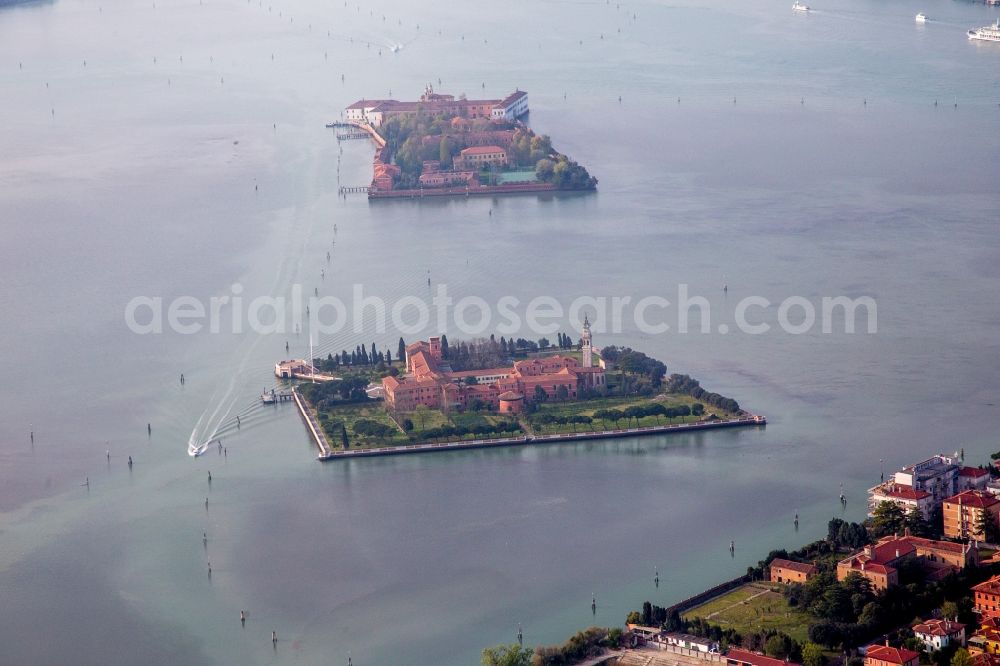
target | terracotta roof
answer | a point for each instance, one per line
(976, 499)
(902, 491)
(482, 150)
(870, 566)
(511, 98)
(511, 395)
(364, 103)
(746, 657)
(974, 472)
(920, 542)
(938, 627)
(890, 549)
(891, 654)
(991, 586)
(801, 567)
(985, 659)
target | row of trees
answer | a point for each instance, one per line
(499, 429)
(686, 384)
(659, 410)
(361, 356)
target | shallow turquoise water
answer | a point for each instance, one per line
(131, 177)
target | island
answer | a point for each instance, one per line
(442, 145)
(490, 393)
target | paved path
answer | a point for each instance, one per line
(738, 603)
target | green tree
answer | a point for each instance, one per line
(407, 425)
(987, 528)
(961, 658)
(562, 393)
(949, 609)
(401, 351)
(343, 437)
(544, 170)
(507, 655)
(812, 655)
(888, 518)
(444, 153)
(444, 346)
(915, 522)
(540, 394)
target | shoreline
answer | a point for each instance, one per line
(750, 420)
(481, 190)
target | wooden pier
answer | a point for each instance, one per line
(363, 189)
(347, 136)
(274, 397)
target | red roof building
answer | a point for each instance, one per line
(884, 655)
(787, 571)
(963, 514)
(737, 657)
(429, 381)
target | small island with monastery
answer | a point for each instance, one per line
(487, 392)
(443, 145)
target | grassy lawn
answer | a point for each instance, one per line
(752, 608)
(588, 407)
(348, 414)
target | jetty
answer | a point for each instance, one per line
(363, 189)
(327, 453)
(273, 397)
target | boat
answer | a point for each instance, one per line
(989, 33)
(799, 6)
(921, 18)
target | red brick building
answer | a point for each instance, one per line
(987, 597)
(431, 383)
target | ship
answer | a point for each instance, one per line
(989, 33)
(800, 7)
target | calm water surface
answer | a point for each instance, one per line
(133, 137)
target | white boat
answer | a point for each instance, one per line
(799, 7)
(989, 33)
(921, 18)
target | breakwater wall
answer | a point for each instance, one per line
(527, 440)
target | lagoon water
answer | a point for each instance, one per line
(177, 148)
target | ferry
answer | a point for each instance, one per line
(800, 7)
(989, 33)
(921, 18)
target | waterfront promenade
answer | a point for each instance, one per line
(315, 430)
(328, 454)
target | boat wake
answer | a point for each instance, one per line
(209, 424)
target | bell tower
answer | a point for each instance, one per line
(585, 343)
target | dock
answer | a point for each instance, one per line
(363, 189)
(273, 397)
(313, 426)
